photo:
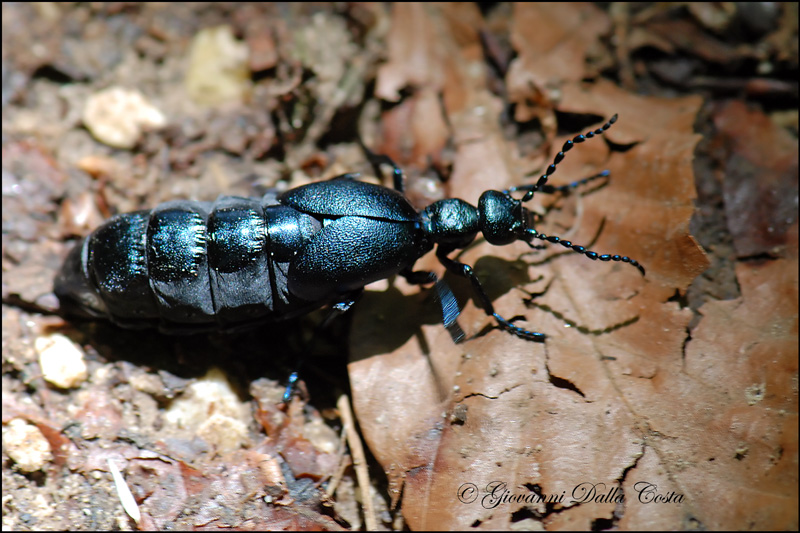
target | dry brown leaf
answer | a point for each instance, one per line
(553, 41)
(760, 185)
(415, 51)
(731, 445)
(422, 42)
(540, 418)
(419, 124)
(686, 35)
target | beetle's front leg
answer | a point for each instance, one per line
(376, 160)
(465, 271)
(450, 310)
(348, 176)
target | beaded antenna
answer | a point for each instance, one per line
(542, 186)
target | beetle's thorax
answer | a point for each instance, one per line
(451, 222)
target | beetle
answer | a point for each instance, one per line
(190, 266)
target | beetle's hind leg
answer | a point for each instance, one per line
(291, 384)
(465, 271)
(337, 309)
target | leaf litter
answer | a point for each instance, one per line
(648, 379)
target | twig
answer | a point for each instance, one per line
(359, 461)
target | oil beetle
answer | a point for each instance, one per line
(192, 266)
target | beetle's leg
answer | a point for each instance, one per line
(419, 277)
(337, 309)
(341, 307)
(376, 160)
(348, 176)
(533, 234)
(463, 270)
(564, 189)
(450, 310)
(291, 384)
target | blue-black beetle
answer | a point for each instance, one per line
(191, 266)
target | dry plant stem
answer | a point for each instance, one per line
(359, 461)
(621, 14)
(344, 462)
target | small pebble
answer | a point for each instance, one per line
(62, 363)
(25, 445)
(117, 116)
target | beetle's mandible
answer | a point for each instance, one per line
(193, 266)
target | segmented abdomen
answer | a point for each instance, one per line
(189, 265)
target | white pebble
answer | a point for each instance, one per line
(61, 361)
(117, 116)
(25, 445)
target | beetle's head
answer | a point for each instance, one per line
(502, 219)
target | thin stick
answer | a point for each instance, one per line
(359, 461)
(343, 464)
